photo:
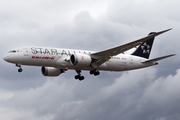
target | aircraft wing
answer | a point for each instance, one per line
(105, 55)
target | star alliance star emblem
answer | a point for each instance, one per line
(146, 48)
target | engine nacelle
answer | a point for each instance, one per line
(50, 71)
(80, 59)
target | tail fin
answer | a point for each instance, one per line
(144, 49)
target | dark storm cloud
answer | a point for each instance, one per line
(150, 93)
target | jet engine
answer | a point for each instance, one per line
(80, 59)
(51, 71)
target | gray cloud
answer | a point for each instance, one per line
(150, 93)
(146, 97)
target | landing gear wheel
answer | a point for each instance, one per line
(96, 73)
(81, 78)
(92, 72)
(20, 70)
(77, 77)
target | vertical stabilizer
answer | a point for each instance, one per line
(144, 49)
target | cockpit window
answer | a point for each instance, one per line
(12, 51)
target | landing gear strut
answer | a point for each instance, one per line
(79, 75)
(95, 72)
(20, 69)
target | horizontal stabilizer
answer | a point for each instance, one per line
(157, 59)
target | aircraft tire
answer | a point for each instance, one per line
(20, 70)
(81, 78)
(77, 77)
(92, 72)
(96, 73)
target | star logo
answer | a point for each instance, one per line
(145, 48)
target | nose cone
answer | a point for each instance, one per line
(6, 58)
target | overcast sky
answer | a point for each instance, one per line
(146, 94)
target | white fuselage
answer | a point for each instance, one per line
(60, 58)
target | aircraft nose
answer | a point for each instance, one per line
(6, 58)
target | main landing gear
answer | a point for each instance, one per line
(79, 75)
(95, 72)
(20, 69)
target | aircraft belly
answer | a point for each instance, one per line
(114, 65)
(125, 63)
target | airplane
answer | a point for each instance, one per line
(54, 61)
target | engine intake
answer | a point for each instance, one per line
(50, 71)
(80, 59)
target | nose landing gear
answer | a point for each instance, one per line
(20, 69)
